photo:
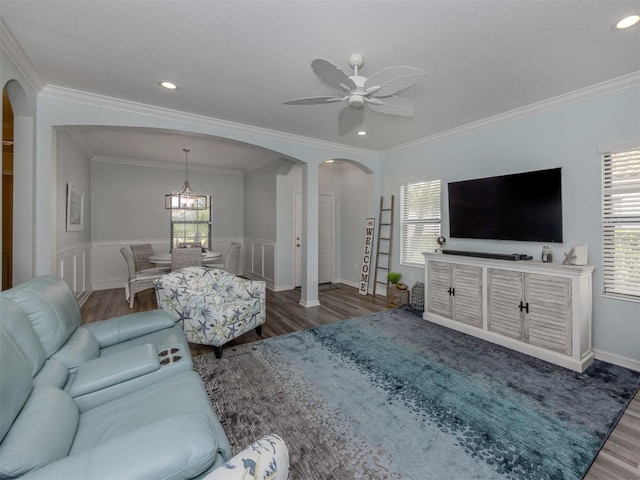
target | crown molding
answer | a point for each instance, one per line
(159, 164)
(152, 110)
(18, 57)
(604, 88)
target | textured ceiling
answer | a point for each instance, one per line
(238, 60)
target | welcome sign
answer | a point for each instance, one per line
(366, 256)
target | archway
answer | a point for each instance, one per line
(7, 191)
(22, 198)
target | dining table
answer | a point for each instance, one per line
(162, 259)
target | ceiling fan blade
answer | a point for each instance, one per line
(332, 75)
(393, 105)
(349, 119)
(391, 80)
(313, 100)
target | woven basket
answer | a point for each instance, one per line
(417, 296)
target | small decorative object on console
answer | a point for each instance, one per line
(441, 241)
(576, 256)
(547, 254)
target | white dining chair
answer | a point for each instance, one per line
(141, 254)
(231, 259)
(137, 282)
(185, 257)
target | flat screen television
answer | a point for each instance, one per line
(523, 206)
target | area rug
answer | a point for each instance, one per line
(391, 396)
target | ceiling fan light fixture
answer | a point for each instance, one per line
(378, 91)
(362, 133)
(185, 199)
(628, 21)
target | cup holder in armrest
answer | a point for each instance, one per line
(168, 351)
(171, 359)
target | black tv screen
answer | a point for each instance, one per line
(523, 206)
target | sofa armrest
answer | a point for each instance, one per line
(119, 329)
(104, 372)
(267, 458)
(178, 447)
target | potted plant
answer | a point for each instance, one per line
(394, 279)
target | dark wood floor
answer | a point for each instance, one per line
(284, 312)
(618, 460)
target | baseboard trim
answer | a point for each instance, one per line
(83, 297)
(283, 288)
(629, 363)
(312, 303)
(355, 285)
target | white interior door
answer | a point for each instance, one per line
(297, 260)
(325, 239)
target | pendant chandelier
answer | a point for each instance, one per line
(185, 199)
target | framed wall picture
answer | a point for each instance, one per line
(75, 209)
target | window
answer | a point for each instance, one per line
(621, 224)
(189, 226)
(420, 212)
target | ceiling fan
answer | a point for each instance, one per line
(378, 91)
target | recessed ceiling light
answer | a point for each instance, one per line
(362, 133)
(627, 22)
(329, 161)
(169, 85)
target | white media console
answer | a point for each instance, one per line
(541, 309)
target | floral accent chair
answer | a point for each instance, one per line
(213, 306)
(265, 459)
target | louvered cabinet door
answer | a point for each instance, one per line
(505, 292)
(548, 323)
(467, 298)
(438, 285)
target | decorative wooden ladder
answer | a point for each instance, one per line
(385, 239)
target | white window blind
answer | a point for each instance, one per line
(191, 226)
(420, 217)
(621, 224)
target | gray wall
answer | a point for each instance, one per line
(260, 203)
(74, 168)
(358, 204)
(128, 201)
(567, 137)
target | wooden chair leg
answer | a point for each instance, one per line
(218, 351)
(259, 330)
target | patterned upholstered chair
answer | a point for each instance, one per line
(264, 459)
(213, 306)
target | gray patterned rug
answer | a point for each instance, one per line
(391, 396)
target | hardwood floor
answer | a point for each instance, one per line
(619, 459)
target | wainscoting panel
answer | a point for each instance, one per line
(110, 268)
(260, 260)
(73, 265)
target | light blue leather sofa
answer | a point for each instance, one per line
(97, 402)
(116, 399)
